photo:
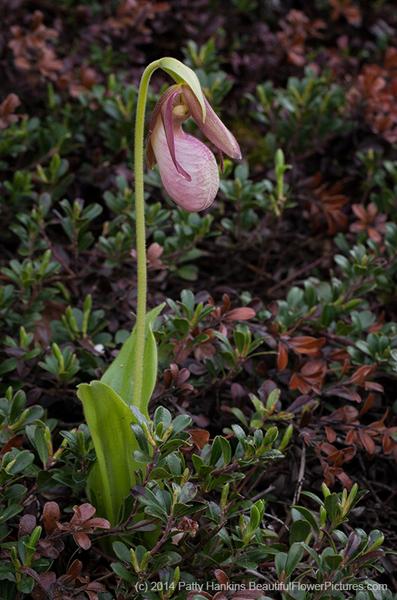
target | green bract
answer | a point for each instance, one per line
(183, 74)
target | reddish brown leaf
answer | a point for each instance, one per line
(26, 525)
(345, 414)
(51, 516)
(75, 569)
(349, 453)
(9, 104)
(82, 513)
(15, 442)
(302, 402)
(244, 313)
(237, 391)
(331, 434)
(93, 588)
(221, 577)
(345, 8)
(340, 355)
(388, 442)
(367, 442)
(374, 386)
(282, 356)
(154, 253)
(200, 437)
(47, 581)
(51, 548)
(327, 449)
(204, 351)
(7, 109)
(370, 221)
(368, 404)
(351, 437)
(82, 540)
(310, 378)
(361, 374)
(307, 345)
(345, 392)
(344, 479)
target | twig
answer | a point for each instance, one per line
(298, 489)
(295, 275)
(301, 475)
(163, 539)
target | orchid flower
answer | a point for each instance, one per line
(188, 168)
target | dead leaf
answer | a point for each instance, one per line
(200, 437)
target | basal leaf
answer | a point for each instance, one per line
(109, 420)
(119, 375)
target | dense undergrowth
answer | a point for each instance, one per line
(274, 417)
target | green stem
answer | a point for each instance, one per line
(140, 230)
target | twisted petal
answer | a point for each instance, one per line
(212, 127)
(158, 112)
(169, 126)
(195, 159)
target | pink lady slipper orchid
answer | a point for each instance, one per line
(187, 167)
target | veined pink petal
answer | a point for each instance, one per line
(156, 114)
(196, 159)
(212, 127)
(169, 127)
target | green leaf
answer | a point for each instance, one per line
(122, 572)
(313, 497)
(271, 435)
(10, 511)
(188, 492)
(21, 460)
(119, 376)
(25, 584)
(188, 272)
(7, 365)
(109, 420)
(122, 551)
(294, 557)
(183, 74)
(36, 436)
(333, 561)
(307, 515)
(280, 562)
(255, 518)
(376, 539)
(221, 452)
(166, 560)
(180, 423)
(332, 506)
(315, 556)
(5, 573)
(299, 531)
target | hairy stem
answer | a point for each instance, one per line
(140, 231)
